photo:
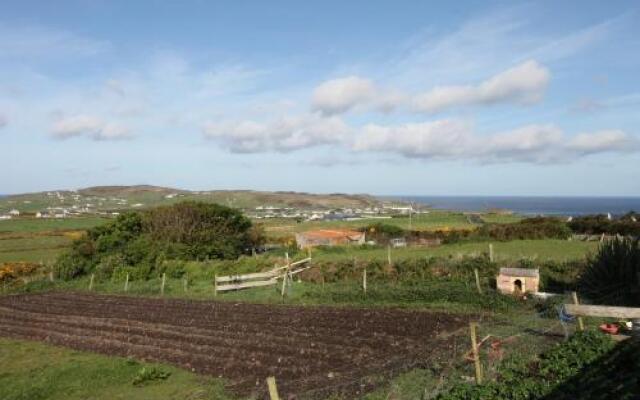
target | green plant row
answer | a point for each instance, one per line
(522, 379)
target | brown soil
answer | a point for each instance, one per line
(312, 351)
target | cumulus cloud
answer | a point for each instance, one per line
(281, 135)
(438, 139)
(523, 84)
(456, 140)
(90, 126)
(341, 95)
(607, 140)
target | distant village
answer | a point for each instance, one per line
(72, 204)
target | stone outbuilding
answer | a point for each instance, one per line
(518, 280)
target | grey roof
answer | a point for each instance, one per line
(528, 272)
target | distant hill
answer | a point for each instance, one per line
(113, 198)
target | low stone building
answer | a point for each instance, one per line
(518, 280)
(329, 237)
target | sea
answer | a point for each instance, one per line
(534, 205)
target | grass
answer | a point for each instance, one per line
(40, 240)
(539, 250)
(33, 371)
(33, 248)
(49, 224)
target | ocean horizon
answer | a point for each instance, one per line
(530, 205)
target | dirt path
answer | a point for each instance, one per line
(312, 351)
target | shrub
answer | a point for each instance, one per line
(188, 230)
(70, 265)
(382, 233)
(146, 375)
(612, 276)
(598, 224)
(529, 228)
(520, 379)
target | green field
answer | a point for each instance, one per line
(540, 250)
(40, 240)
(34, 371)
(47, 225)
(33, 249)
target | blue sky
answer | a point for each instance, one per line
(471, 98)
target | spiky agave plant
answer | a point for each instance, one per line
(612, 276)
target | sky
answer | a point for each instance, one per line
(388, 98)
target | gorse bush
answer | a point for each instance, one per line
(628, 224)
(612, 276)
(529, 228)
(139, 242)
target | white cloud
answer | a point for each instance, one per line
(522, 84)
(456, 140)
(534, 143)
(438, 139)
(281, 135)
(87, 125)
(602, 141)
(341, 95)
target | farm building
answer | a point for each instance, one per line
(328, 237)
(518, 280)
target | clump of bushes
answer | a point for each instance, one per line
(522, 379)
(529, 228)
(382, 233)
(612, 276)
(138, 243)
(629, 224)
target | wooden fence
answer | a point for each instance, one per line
(259, 279)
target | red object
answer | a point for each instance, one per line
(609, 328)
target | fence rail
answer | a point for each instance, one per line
(259, 279)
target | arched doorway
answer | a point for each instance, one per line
(517, 286)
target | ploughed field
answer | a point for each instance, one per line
(312, 351)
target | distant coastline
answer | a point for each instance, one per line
(529, 205)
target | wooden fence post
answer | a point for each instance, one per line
(91, 282)
(364, 281)
(476, 353)
(273, 388)
(285, 276)
(389, 254)
(574, 295)
(126, 283)
(491, 252)
(164, 278)
(215, 285)
(475, 271)
(50, 276)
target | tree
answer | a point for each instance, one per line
(187, 231)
